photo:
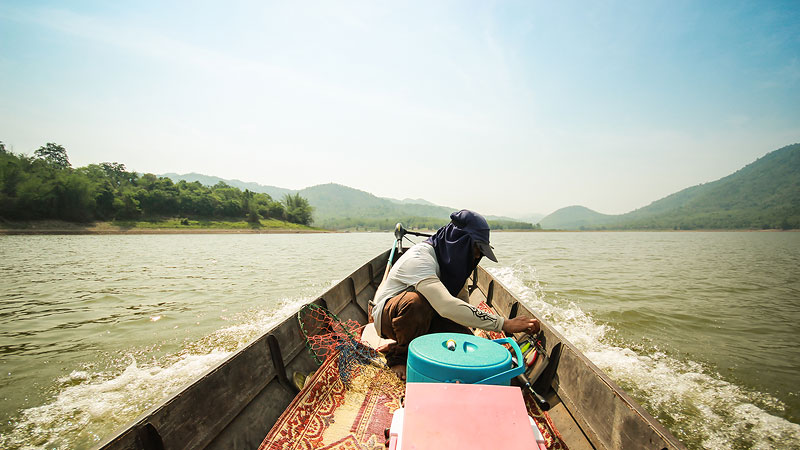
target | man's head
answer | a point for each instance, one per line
(478, 228)
(459, 245)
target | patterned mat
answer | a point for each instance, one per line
(327, 415)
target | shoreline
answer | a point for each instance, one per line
(57, 227)
(89, 231)
(106, 228)
(665, 230)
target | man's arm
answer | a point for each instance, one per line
(455, 309)
(465, 314)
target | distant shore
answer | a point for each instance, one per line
(649, 230)
(55, 227)
(5, 231)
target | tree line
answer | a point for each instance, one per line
(410, 223)
(46, 186)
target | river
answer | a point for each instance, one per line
(700, 327)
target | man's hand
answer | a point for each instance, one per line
(521, 323)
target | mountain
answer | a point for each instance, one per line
(411, 201)
(763, 194)
(336, 205)
(276, 193)
(342, 207)
(573, 218)
(532, 218)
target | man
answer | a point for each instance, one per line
(425, 291)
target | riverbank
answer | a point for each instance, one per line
(167, 226)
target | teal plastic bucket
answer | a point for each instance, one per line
(472, 360)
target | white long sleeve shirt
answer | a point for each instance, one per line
(419, 267)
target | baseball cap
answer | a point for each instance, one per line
(486, 250)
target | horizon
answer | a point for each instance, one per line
(523, 108)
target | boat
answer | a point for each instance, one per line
(235, 404)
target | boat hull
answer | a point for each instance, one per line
(234, 405)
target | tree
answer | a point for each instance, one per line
(298, 210)
(53, 154)
(75, 197)
(117, 173)
(127, 206)
(250, 207)
(268, 208)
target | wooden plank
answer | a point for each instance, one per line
(502, 300)
(361, 278)
(338, 297)
(255, 421)
(570, 431)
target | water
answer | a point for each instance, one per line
(698, 327)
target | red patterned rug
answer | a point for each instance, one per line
(327, 415)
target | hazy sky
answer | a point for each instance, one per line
(502, 107)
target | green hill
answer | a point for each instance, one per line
(764, 194)
(573, 218)
(341, 207)
(337, 206)
(275, 192)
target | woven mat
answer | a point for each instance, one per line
(327, 415)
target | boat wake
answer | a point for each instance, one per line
(89, 405)
(695, 404)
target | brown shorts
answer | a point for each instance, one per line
(408, 315)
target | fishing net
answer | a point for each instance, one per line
(328, 336)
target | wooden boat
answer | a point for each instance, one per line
(233, 405)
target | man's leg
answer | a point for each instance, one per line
(405, 317)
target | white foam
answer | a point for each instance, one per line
(82, 412)
(90, 405)
(708, 411)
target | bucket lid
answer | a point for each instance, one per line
(471, 352)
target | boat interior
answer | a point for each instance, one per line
(235, 404)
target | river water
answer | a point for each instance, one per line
(701, 328)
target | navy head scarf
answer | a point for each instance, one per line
(454, 245)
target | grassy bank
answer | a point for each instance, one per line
(166, 225)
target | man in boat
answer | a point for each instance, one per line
(426, 291)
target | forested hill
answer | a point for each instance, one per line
(45, 186)
(573, 218)
(340, 207)
(762, 195)
(207, 180)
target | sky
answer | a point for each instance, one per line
(508, 108)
